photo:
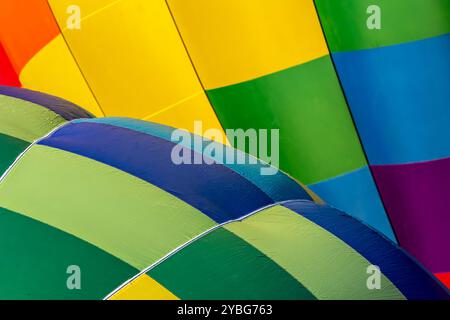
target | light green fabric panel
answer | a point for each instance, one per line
(324, 264)
(121, 214)
(35, 258)
(25, 120)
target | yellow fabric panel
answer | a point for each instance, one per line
(184, 113)
(87, 8)
(53, 70)
(231, 41)
(133, 58)
(143, 288)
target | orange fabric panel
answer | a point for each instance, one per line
(25, 27)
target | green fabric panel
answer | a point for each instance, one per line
(121, 214)
(10, 149)
(25, 120)
(345, 22)
(35, 258)
(317, 137)
(324, 264)
(223, 266)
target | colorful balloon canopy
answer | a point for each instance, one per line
(396, 83)
(27, 115)
(363, 113)
(104, 195)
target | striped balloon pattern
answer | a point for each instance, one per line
(103, 194)
(396, 80)
(363, 116)
(26, 116)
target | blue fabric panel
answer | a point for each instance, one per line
(400, 98)
(356, 194)
(278, 187)
(403, 271)
(214, 189)
(64, 108)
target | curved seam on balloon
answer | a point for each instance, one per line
(31, 140)
(173, 105)
(414, 260)
(315, 197)
(50, 105)
(98, 245)
(226, 168)
(352, 217)
(312, 194)
(344, 242)
(22, 154)
(330, 235)
(187, 243)
(378, 233)
(186, 146)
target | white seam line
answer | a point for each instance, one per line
(22, 154)
(184, 245)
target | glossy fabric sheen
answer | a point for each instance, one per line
(299, 246)
(65, 109)
(221, 265)
(279, 187)
(104, 208)
(229, 197)
(415, 283)
(399, 98)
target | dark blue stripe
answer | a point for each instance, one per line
(279, 187)
(401, 269)
(64, 108)
(214, 189)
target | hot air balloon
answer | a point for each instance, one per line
(102, 195)
(361, 106)
(175, 77)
